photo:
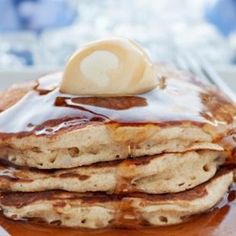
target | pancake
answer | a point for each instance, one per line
(101, 210)
(165, 173)
(9, 97)
(54, 130)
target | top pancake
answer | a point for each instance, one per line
(43, 128)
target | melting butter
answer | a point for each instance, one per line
(113, 67)
(93, 66)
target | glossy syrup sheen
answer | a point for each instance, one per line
(218, 222)
(44, 110)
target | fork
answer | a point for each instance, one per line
(199, 66)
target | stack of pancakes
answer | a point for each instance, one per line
(153, 159)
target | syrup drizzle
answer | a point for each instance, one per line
(45, 111)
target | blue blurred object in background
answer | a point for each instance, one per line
(35, 15)
(44, 33)
(9, 16)
(222, 13)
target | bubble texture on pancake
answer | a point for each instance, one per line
(164, 173)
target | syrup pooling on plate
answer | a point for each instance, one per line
(45, 111)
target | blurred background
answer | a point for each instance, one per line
(38, 36)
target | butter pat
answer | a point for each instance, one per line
(113, 67)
